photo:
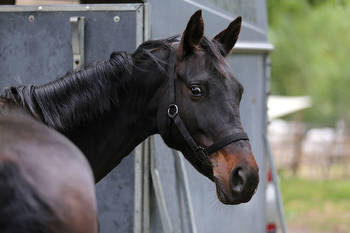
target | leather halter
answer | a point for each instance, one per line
(173, 113)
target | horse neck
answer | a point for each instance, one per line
(107, 140)
(106, 109)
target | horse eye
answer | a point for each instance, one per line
(196, 91)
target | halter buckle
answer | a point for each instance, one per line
(173, 110)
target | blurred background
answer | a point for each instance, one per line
(309, 111)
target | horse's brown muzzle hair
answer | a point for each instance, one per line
(235, 172)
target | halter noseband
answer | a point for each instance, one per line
(173, 114)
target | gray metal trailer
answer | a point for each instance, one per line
(39, 43)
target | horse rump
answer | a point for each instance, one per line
(22, 209)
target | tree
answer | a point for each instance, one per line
(312, 55)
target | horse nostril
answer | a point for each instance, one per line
(237, 180)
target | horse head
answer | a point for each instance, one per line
(207, 98)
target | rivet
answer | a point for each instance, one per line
(116, 18)
(31, 18)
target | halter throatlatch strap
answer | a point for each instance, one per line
(173, 114)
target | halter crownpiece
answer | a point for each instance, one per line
(173, 114)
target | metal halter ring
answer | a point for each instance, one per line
(173, 110)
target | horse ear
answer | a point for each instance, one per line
(192, 35)
(226, 39)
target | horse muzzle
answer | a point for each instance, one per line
(242, 186)
(236, 176)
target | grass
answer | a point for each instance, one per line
(317, 205)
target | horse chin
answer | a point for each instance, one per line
(229, 199)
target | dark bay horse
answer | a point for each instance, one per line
(40, 188)
(180, 88)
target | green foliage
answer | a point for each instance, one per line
(312, 55)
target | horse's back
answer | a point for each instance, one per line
(45, 181)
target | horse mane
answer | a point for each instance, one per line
(144, 55)
(96, 89)
(77, 96)
(86, 94)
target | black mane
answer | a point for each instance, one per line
(96, 88)
(144, 55)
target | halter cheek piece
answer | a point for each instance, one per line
(173, 114)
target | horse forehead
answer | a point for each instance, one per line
(202, 67)
(193, 63)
